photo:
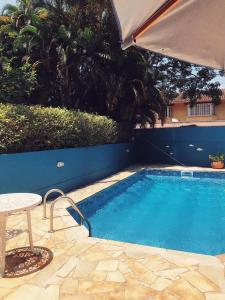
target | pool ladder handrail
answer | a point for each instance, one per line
(45, 200)
(72, 203)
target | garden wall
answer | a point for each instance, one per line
(37, 171)
(190, 145)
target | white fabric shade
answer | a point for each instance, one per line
(190, 30)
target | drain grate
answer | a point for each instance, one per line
(185, 174)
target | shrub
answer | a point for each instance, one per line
(31, 128)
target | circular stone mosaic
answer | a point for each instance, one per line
(24, 261)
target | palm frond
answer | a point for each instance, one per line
(29, 29)
(9, 9)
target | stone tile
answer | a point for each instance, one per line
(98, 287)
(161, 284)
(64, 246)
(156, 263)
(83, 269)
(221, 257)
(74, 233)
(124, 268)
(172, 274)
(26, 292)
(54, 280)
(166, 296)
(185, 291)
(117, 253)
(131, 279)
(69, 286)
(182, 260)
(84, 285)
(96, 256)
(68, 267)
(107, 265)
(202, 283)
(115, 277)
(214, 274)
(4, 292)
(118, 294)
(43, 277)
(141, 250)
(10, 283)
(138, 292)
(110, 247)
(134, 253)
(215, 296)
(98, 276)
(65, 296)
(148, 277)
(50, 293)
(96, 269)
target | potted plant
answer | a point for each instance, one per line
(217, 160)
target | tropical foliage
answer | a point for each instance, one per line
(17, 83)
(30, 128)
(74, 49)
(216, 157)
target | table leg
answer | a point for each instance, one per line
(3, 219)
(30, 230)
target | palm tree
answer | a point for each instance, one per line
(74, 47)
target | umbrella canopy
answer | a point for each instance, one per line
(190, 30)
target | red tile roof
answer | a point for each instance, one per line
(194, 123)
(203, 99)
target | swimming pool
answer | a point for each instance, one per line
(162, 209)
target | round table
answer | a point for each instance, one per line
(11, 203)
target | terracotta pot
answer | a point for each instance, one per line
(217, 164)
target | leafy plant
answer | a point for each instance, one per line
(217, 157)
(31, 128)
(17, 83)
(75, 49)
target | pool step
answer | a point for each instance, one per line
(185, 174)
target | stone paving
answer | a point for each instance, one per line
(96, 269)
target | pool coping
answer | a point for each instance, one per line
(209, 260)
(203, 278)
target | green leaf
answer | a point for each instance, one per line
(29, 29)
(63, 32)
(87, 33)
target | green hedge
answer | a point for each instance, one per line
(31, 128)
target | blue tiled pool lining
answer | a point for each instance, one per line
(162, 208)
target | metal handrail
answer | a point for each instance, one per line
(74, 206)
(45, 199)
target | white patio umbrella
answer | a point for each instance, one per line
(190, 30)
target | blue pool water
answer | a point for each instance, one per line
(162, 209)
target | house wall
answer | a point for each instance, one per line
(37, 172)
(190, 145)
(179, 112)
(220, 111)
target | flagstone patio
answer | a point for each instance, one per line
(92, 268)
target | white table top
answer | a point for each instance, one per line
(18, 201)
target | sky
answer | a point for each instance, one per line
(3, 2)
(221, 80)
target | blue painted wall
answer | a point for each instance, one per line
(37, 171)
(205, 140)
